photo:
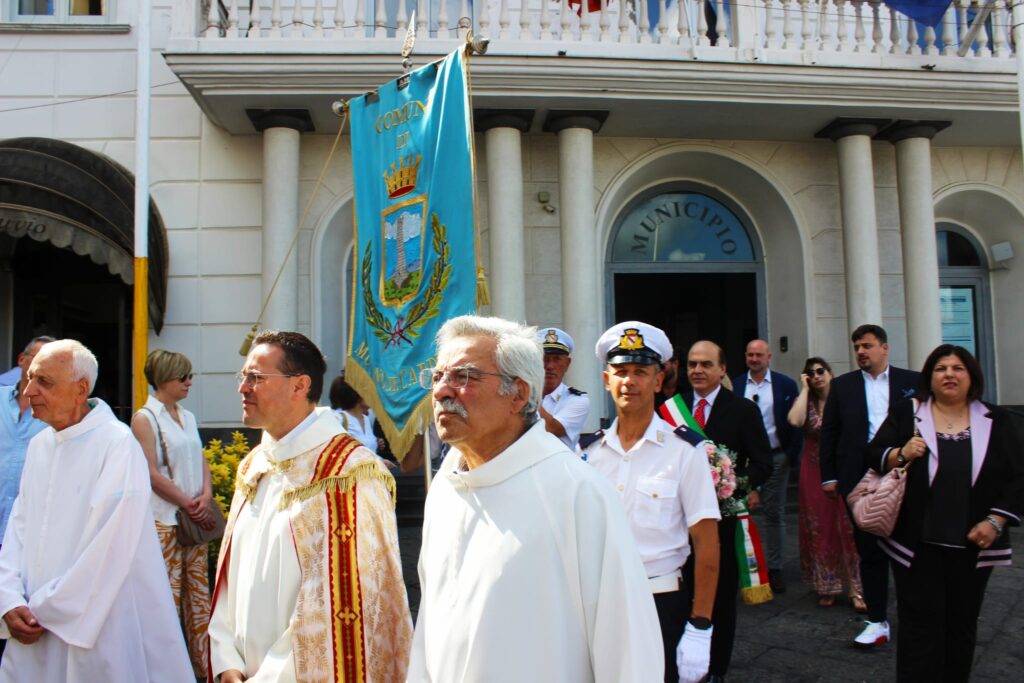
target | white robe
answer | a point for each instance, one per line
(81, 552)
(529, 573)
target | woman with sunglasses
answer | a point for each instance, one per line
(828, 554)
(180, 477)
(951, 530)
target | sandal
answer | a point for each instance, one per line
(826, 600)
(858, 603)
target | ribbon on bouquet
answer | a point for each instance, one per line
(748, 550)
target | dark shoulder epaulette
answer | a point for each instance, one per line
(589, 439)
(577, 392)
(689, 436)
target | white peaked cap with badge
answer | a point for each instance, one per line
(633, 342)
(554, 340)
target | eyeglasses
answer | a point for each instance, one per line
(819, 371)
(456, 378)
(254, 379)
(185, 378)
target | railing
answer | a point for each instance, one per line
(739, 29)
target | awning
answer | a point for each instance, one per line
(53, 191)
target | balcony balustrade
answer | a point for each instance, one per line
(833, 32)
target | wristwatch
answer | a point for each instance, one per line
(702, 623)
(900, 459)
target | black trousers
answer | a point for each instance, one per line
(938, 600)
(724, 614)
(874, 573)
(673, 611)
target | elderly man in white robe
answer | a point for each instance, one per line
(83, 588)
(528, 569)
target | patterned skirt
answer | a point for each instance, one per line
(188, 571)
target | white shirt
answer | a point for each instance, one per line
(360, 427)
(81, 552)
(570, 410)
(529, 573)
(184, 452)
(665, 487)
(710, 398)
(250, 628)
(876, 391)
(764, 401)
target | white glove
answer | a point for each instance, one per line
(693, 654)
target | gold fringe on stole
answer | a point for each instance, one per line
(247, 490)
(366, 472)
(755, 595)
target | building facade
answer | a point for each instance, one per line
(779, 168)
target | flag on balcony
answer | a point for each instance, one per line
(928, 12)
(415, 264)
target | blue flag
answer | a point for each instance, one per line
(928, 12)
(415, 261)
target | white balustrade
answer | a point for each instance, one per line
(777, 28)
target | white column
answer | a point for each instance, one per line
(505, 222)
(857, 206)
(917, 232)
(280, 218)
(581, 296)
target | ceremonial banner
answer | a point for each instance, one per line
(415, 261)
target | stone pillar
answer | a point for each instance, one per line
(917, 233)
(581, 295)
(503, 134)
(857, 205)
(281, 130)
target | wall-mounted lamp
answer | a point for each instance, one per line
(545, 200)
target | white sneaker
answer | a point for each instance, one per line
(875, 633)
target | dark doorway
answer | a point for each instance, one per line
(721, 307)
(59, 293)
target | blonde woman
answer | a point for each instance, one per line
(180, 478)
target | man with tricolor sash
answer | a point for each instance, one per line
(309, 581)
(665, 486)
(732, 422)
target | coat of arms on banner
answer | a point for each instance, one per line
(402, 231)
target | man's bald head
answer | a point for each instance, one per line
(758, 356)
(705, 366)
(60, 379)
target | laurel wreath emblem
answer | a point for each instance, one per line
(408, 328)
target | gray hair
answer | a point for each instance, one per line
(518, 354)
(83, 362)
(41, 339)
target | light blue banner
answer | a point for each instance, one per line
(415, 251)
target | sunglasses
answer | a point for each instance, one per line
(818, 371)
(185, 378)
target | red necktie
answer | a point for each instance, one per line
(698, 414)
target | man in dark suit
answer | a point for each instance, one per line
(736, 423)
(857, 404)
(774, 394)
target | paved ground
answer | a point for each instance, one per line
(792, 639)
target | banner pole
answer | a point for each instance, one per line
(140, 294)
(427, 455)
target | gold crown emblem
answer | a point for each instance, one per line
(632, 339)
(402, 181)
(551, 337)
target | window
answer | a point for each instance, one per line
(61, 11)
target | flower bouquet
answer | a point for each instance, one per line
(723, 475)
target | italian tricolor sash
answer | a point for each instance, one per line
(749, 554)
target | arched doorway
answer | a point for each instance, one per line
(690, 245)
(331, 252)
(66, 256)
(964, 299)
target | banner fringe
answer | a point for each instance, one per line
(400, 440)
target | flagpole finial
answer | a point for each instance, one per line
(409, 43)
(477, 44)
(339, 107)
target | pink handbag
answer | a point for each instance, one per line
(876, 499)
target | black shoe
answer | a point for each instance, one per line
(714, 678)
(776, 581)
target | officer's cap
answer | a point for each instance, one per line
(633, 342)
(554, 340)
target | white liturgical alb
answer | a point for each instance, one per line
(81, 552)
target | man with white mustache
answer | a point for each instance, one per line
(527, 568)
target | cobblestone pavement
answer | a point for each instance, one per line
(792, 639)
